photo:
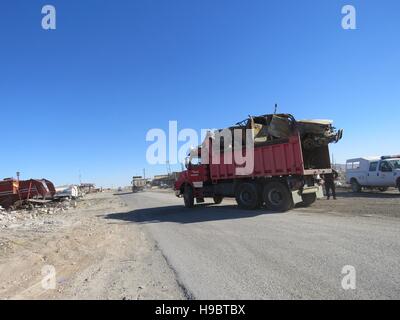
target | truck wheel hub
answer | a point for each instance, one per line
(275, 197)
(246, 196)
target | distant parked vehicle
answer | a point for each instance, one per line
(138, 183)
(71, 191)
(373, 172)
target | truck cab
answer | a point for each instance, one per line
(194, 178)
(373, 172)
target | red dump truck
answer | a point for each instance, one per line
(288, 156)
(12, 190)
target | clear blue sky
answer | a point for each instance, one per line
(81, 98)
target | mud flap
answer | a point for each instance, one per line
(320, 192)
(296, 196)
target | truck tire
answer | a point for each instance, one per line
(355, 186)
(277, 197)
(383, 189)
(247, 196)
(188, 196)
(218, 199)
(308, 199)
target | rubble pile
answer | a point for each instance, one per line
(29, 211)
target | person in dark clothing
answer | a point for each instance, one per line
(329, 179)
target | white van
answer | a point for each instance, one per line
(373, 172)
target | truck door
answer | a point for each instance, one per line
(197, 173)
(372, 174)
(382, 176)
(385, 174)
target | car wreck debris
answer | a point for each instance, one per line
(277, 127)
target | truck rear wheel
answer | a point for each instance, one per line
(308, 199)
(218, 199)
(277, 197)
(188, 197)
(247, 196)
(383, 189)
(355, 186)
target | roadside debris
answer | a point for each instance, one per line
(32, 209)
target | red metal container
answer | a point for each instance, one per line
(8, 192)
(12, 190)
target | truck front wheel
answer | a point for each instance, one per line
(247, 196)
(188, 197)
(277, 197)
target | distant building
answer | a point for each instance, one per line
(165, 179)
(88, 187)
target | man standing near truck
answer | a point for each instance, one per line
(329, 179)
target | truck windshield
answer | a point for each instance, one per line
(395, 164)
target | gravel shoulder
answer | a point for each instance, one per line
(94, 258)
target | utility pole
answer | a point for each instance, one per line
(144, 173)
(168, 168)
(276, 108)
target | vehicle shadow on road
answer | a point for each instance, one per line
(179, 214)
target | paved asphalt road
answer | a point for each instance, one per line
(222, 252)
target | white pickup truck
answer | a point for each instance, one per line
(373, 172)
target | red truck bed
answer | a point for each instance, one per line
(283, 158)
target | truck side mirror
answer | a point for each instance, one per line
(187, 163)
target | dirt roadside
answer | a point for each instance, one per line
(366, 203)
(94, 258)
